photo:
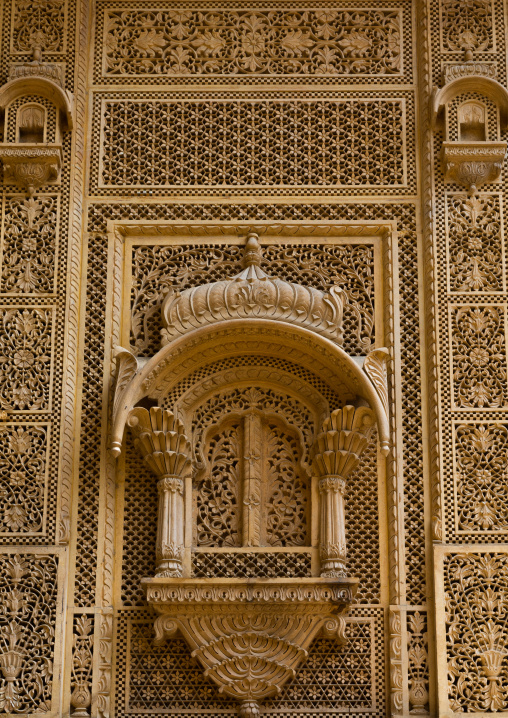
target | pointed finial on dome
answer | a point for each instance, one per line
(252, 252)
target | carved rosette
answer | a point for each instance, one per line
(250, 637)
(160, 438)
(337, 451)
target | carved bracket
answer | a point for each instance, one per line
(250, 637)
(31, 165)
(473, 164)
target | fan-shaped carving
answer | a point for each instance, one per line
(252, 293)
(250, 638)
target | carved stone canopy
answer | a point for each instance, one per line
(252, 293)
(256, 315)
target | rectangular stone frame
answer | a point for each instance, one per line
(121, 235)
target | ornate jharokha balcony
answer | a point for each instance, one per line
(248, 467)
(250, 635)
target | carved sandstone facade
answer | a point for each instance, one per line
(253, 364)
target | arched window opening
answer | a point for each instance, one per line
(31, 124)
(472, 118)
(253, 489)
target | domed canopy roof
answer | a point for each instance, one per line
(254, 294)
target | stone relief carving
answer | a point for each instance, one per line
(28, 605)
(81, 696)
(418, 662)
(282, 41)
(26, 338)
(158, 268)
(23, 478)
(467, 27)
(475, 243)
(481, 473)
(38, 25)
(253, 293)
(476, 635)
(454, 70)
(375, 366)
(478, 356)
(29, 252)
(252, 489)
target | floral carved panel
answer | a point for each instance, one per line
(26, 345)
(23, 478)
(472, 615)
(186, 42)
(29, 245)
(28, 613)
(478, 351)
(38, 23)
(251, 462)
(481, 477)
(467, 26)
(475, 243)
(418, 666)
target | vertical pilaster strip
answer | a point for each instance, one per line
(252, 480)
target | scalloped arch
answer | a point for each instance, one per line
(239, 337)
(23, 86)
(471, 83)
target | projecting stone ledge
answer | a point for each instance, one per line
(250, 635)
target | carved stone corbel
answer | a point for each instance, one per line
(337, 451)
(127, 366)
(375, 366)
(160, 438)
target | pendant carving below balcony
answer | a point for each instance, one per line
(31, 165)
(473, 164)
(249, 635)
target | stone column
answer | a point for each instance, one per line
(332, 544)
(160, 438)
(169, 549)
(337, 450)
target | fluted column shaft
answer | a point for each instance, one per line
(332, 543)
(170, 547)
